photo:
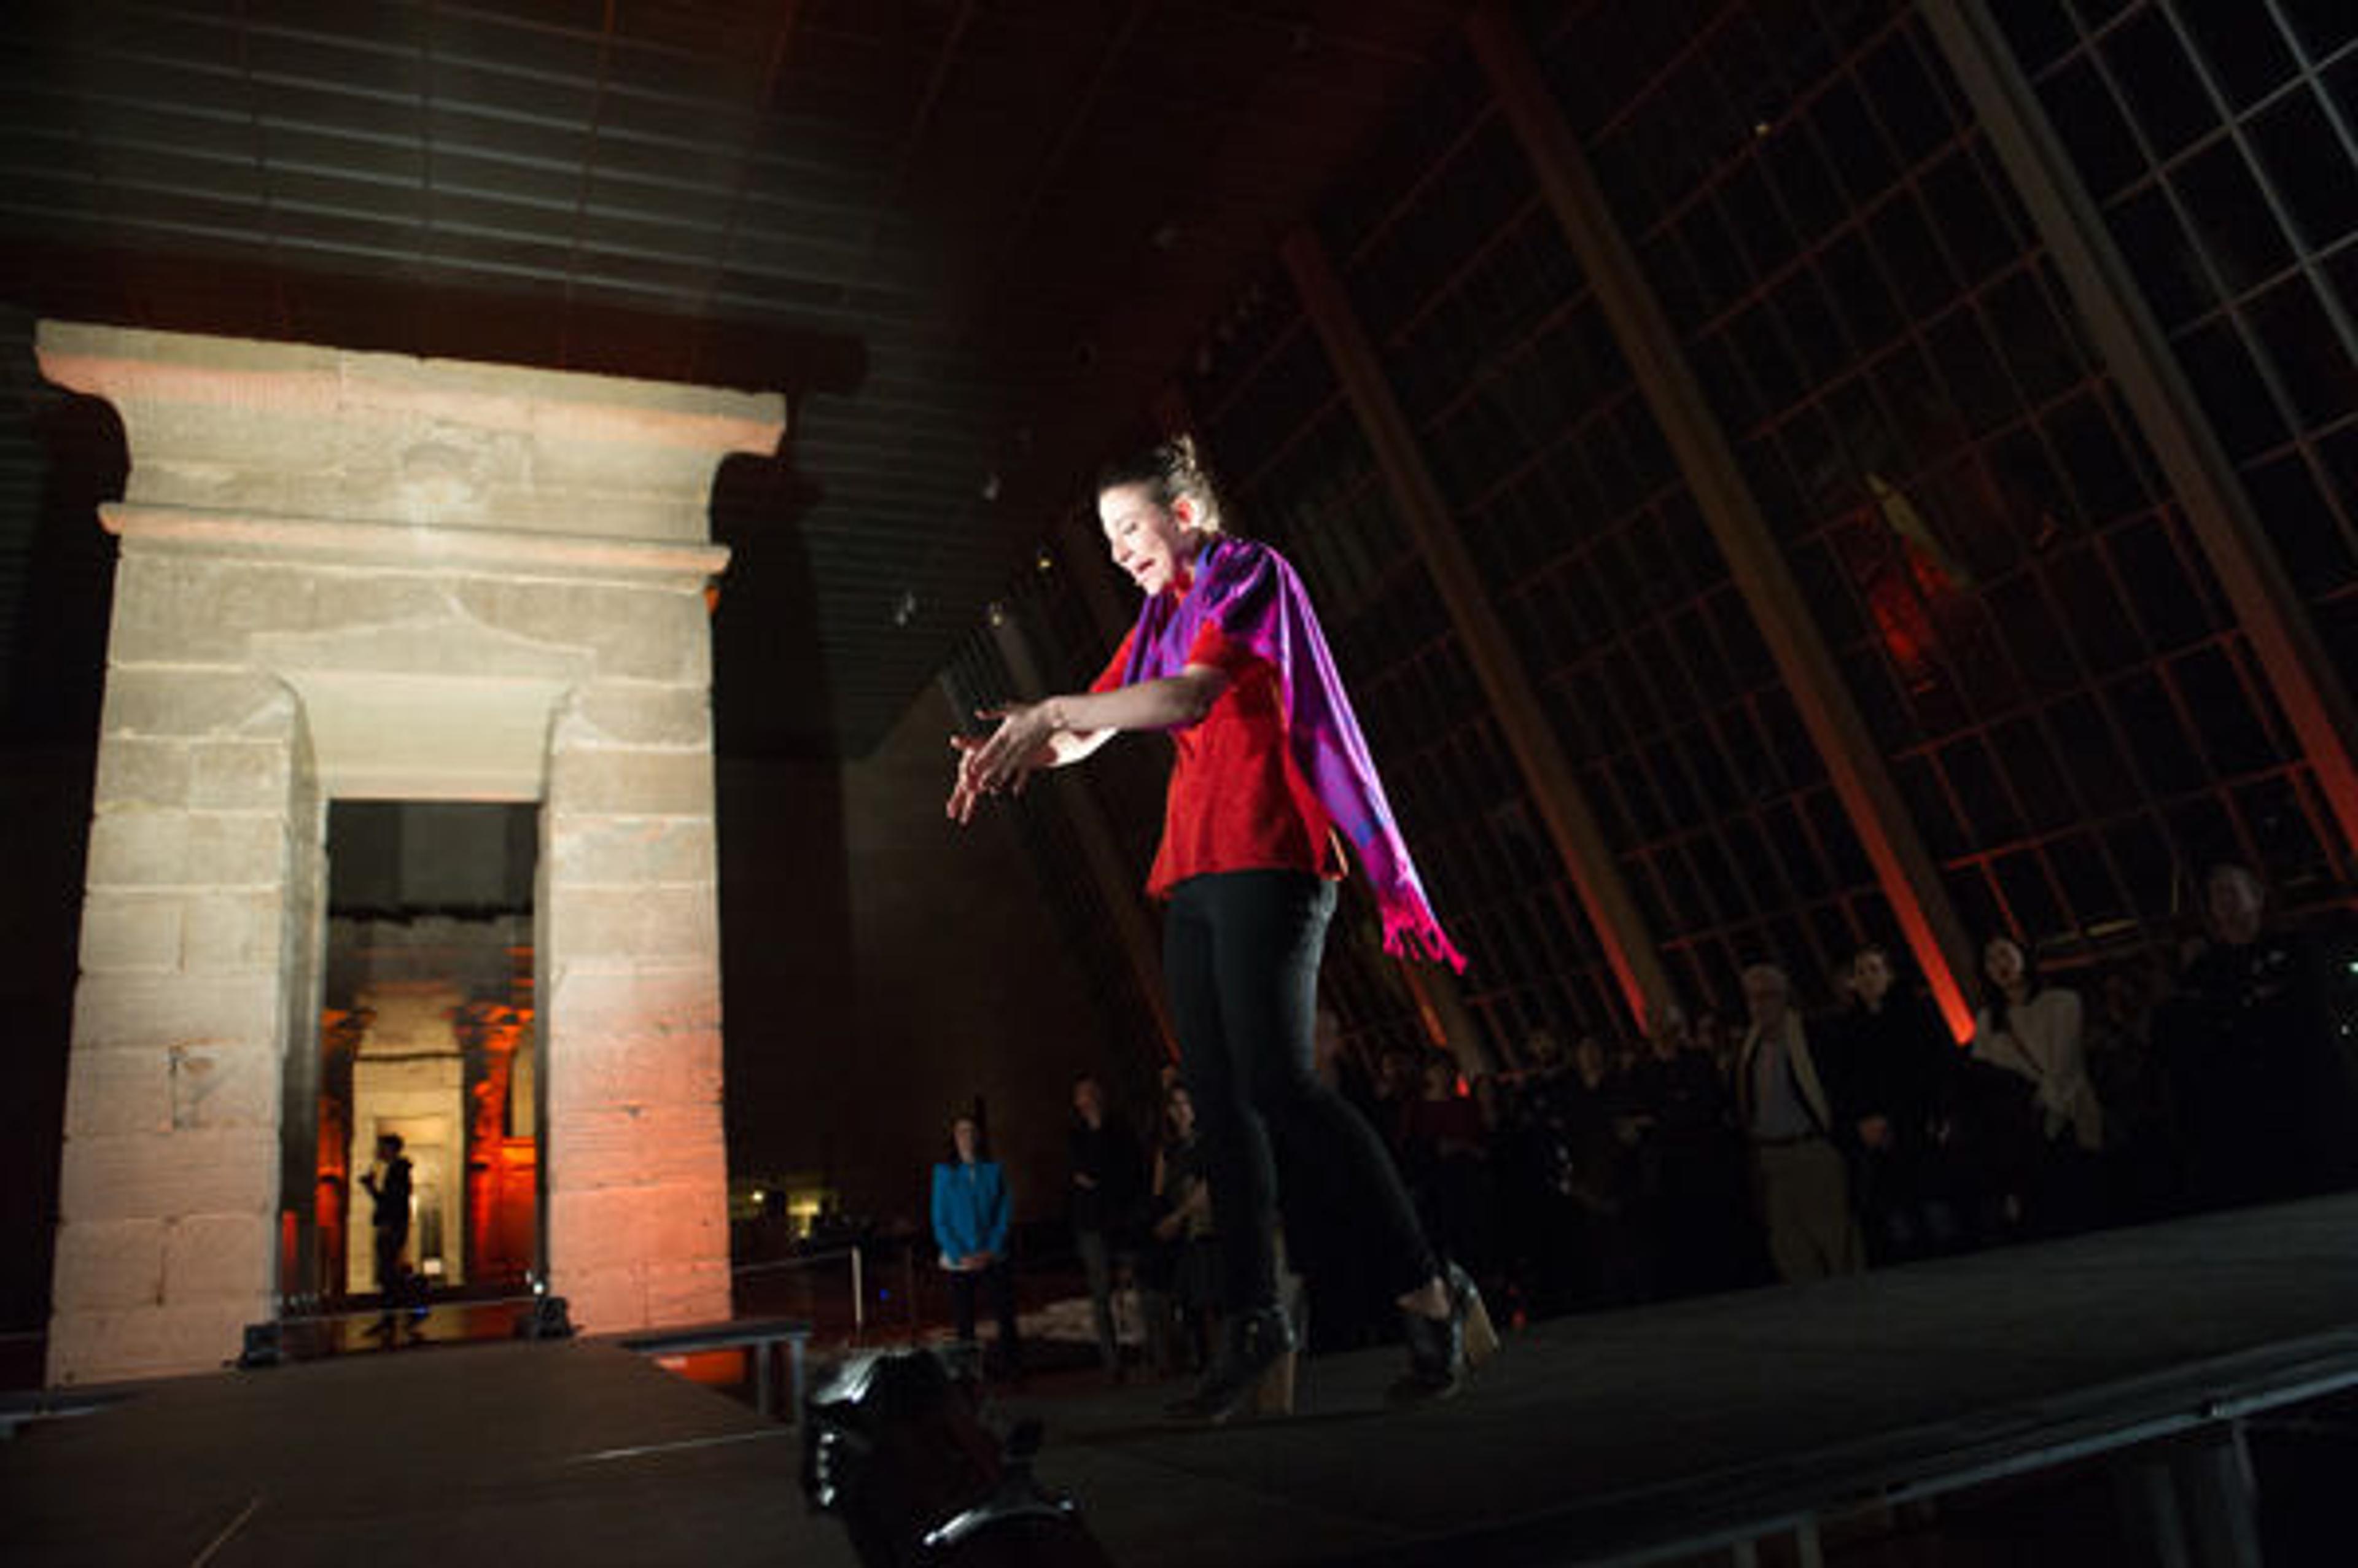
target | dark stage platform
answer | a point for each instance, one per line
(1622, 1437)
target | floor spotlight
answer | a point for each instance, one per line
(264, 1346)
(548, 1320)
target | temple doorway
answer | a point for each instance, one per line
(427, 1031)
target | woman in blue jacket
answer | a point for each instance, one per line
(970, 1211)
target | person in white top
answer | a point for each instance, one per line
(2033, 1031)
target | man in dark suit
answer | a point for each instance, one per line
(388, 1182)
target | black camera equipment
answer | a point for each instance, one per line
(895, 1445)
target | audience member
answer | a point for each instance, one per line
(2260, 1080)
(1109, 1196)
(1788, 1118)
(1447, 1163)
(1341, 1069)
(1400, 1084)
(2141, 1178)
(971, 1212)
(1540, 1217)
(1712, 1038)
(2033, 1031)
(1604, 1136)
(1179, 1266)
(1895, 1080)
(1689, 1173)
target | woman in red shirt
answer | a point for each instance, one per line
(1229, 658)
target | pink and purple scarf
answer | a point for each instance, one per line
(1252, 595)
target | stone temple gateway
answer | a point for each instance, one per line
(349, 576)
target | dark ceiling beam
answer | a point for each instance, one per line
(945, 59)
(1052, 168)
(733, 213)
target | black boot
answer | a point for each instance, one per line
(1253, 1346)
(1441, 1349)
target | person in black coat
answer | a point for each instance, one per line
(389, 1184)
(1690, 1169)
(2260, 1081)
(1894, 1084)
(1109, 1200)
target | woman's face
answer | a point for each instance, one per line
(1154, 545)
(1870, 975)
(2002, 962)
(1181, 1113)
(962, 1133)
(2235, 904)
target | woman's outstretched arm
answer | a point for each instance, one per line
(1057, 731)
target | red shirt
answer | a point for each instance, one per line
(1236, 802)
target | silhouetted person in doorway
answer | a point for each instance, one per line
(388, 1182)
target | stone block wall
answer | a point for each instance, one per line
(169, 1182)
(635, 1164)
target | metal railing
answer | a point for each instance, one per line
(874, 1291)
(861, 1294)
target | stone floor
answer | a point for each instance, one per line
(1600, 1438)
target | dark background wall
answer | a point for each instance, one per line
(882, 970)
(44, 815)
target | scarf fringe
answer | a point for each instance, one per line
(1415, 934)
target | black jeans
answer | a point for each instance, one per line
(1240, 953)
(391, 1277)
(1101, 1260)
(1000, 1280)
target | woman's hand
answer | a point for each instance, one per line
(1023, 743)
(1060, 729)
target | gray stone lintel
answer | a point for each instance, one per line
(472, 551)
(245, 429)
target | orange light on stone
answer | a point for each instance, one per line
(713, 1369)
